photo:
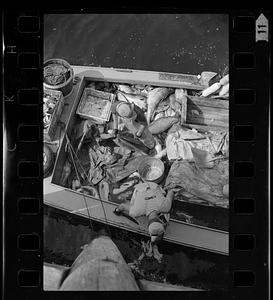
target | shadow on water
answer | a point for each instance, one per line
(180, 265)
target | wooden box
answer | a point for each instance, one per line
(95, 105)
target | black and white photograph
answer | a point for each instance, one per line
(136, 152)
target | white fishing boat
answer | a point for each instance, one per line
(211, 114)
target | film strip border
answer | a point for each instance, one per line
(249, 155)
(23, 167)
(23, 138)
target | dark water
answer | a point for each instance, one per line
(162, 42)
(173, 43)
(64, 236)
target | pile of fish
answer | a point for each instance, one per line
(218, 89)
(49, 105)
(55, 74)
(110, 172)
(161, 105)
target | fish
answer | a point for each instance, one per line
(159, 115)
(169, 112)
(139, 100)
(89, 190)
(130, 90)
(211, 90)
(124, 187)
(161, 153)
(139, 86)
(172, 99)
(104, 190)
(154, 97)
(162, 124)
(174, 104)
(224, 80)
(149, 88)
(180, 95)
(124, 88)
(75, 184)
(158, 146)
(224, 89)
(65, 173)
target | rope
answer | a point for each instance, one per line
(108, 227)
(104, 212)
(89, 216)
(79, 162)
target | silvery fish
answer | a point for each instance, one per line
(130, 90)
(124, 88)
(138, 100)
(159, 115)
(104, 190)
(162, 124)
(169, 112)
(154, 97)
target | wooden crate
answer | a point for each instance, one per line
(92, 98)
(207, 112)
(50, 132)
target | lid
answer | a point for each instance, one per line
(124, 110)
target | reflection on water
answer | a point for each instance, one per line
(180, 265)
(163, 42)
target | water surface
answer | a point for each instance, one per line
(156, 42)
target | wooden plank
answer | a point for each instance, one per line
(218, 114)
(207, 119)
(181, 97)
(184, 110)
(205, 128)
(100, 267)
(209, 102)
(207, 111)
(207, 122)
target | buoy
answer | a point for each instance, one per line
(224, 80)
(212, 89)
(224, 90)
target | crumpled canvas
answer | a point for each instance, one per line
(180, 142)
(123, 168)
(99, 155)
(205, 184)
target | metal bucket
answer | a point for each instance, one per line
(65, 87)
(151, 169)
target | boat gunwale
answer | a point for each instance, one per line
(139, 231)
(115, 204)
